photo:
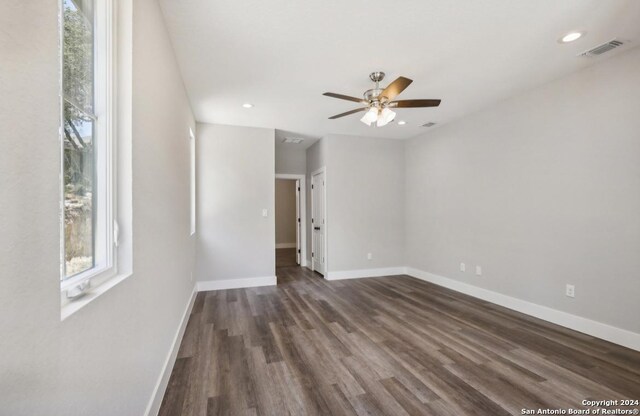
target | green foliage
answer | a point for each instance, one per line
(78, 63)
(78, 58)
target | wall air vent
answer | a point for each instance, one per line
(429, 124)
(604, 48)
(293, 140)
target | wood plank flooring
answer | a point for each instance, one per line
(285, 257)
(382, 346)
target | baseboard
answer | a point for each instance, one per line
(587, 326)
(357, 274)
(286, 245)
(161, 386)
(236, 283)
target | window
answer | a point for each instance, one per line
(88, 223)
(192, 146)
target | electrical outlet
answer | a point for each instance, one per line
(463, 267)
(369, 256)
(571, 291)
(478, 271)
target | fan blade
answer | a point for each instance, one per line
(344, 97)
(414, 103)
(357, 110)
(395, 88)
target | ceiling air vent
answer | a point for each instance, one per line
(429, 124)
(293, 140)
(604, 48)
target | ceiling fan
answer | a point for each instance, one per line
(379, 102)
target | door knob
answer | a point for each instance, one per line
(316, 228)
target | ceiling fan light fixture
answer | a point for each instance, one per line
(386, 116)
(378, 101)
(370, 116)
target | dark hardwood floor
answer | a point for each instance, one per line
(285, 257)
(382, 346)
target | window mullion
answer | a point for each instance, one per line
(69, 101)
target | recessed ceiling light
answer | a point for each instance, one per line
(402, 123)
(247, 105)
(570, 37)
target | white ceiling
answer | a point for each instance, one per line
(281, 55)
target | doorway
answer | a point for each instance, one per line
(318, 222)
(290, 220)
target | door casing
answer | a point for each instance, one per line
(303, 213)
(326, 222)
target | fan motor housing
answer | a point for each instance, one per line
(372, 94)
(376, 76)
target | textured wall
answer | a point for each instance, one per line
(365, 202)
(106, 358)
(291, 161)
(541, 190)
(235, 183)
(286, 218)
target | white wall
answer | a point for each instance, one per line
(292, 161)
(541, 190)
(106, 358)
(365, 202)
(235, 183)
(285, 211)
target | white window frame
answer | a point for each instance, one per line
(106, 228)
(192, 181)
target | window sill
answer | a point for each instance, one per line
(74, 306)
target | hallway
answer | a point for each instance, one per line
(285, 257)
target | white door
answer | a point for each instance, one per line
(298, 223)
(318, 222)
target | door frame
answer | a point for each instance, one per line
(326, 221)
(303, 212)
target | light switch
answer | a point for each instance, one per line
(265, 212)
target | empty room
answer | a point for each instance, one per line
(321, 207)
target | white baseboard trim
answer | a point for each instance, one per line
(161, 385)
(286, 245)
(357, 274)
(236, 283)
(587, 326)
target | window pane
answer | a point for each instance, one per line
(79, 213)
(79, 137)
(78, 54)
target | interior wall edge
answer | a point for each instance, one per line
(163, 380)
(363, 273)
(577, 323)
(239, 283)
